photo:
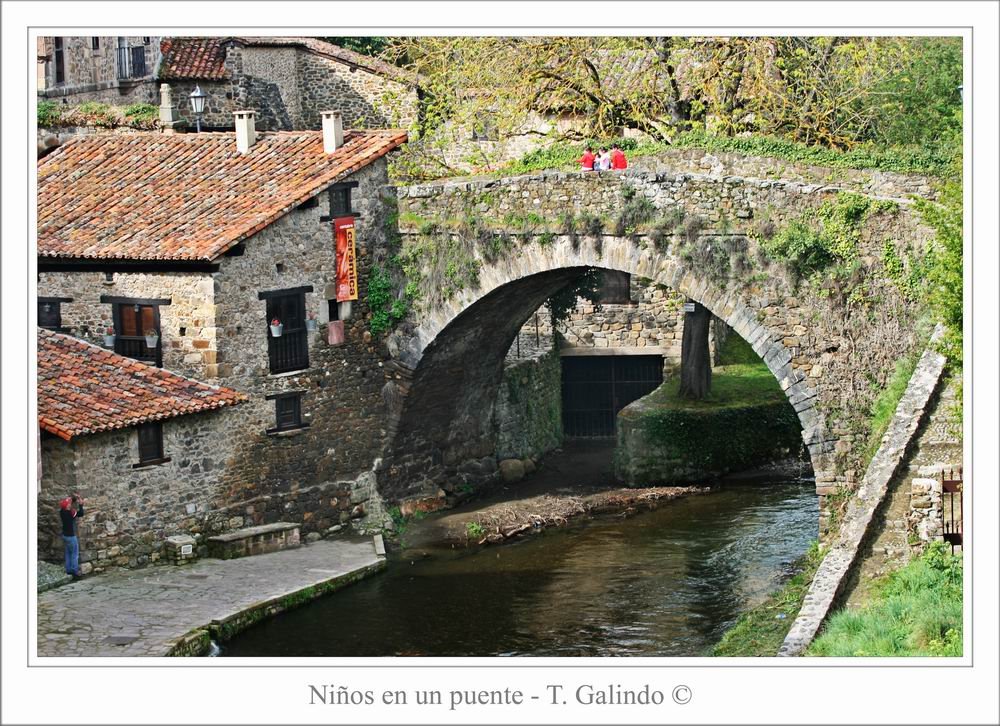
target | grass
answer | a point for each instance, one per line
(915, 611)
(885, 405)
(737, 351)
(732, 385)
(760, 631)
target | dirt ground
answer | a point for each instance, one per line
(574, 481)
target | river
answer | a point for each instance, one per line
(668, 582)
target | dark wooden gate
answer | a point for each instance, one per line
(951, 506)
(596, 388)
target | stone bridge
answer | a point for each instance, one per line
(485, 254)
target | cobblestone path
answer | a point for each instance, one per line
(145, 612)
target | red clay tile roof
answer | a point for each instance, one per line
(83, 389)
(195, 59)
(190, 197)
(199, 59)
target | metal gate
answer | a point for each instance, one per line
(951, 509)
(596, 388)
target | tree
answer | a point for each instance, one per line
(696, 364)
(364, 45)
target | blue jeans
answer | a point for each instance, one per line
(72, 555)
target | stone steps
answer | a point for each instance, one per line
(255, 540)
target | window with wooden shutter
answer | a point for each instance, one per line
(150, 436)
(132, 320)
(50, 312)
(287, 412)
(290, 350)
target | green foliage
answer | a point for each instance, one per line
(386, 309)
(586, 286)
(364, 45)
(830, 235)
(48, 113)
(637, 211)
(884, 406)
(908, 276)
(745, 402)
(945, 265)
(141, 112)
(759, 632)
(101, 115)
(915, 611)
(736, 351)
(717, 256)
(474, 530)
(671, 223)
(863, 156)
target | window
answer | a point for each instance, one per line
(333, 309)
(95, 43)
(615, 287)
(288, 351)
(287, 412)
(340, 201)
(60, 61)
(133, 318)
(50, 312)
(150, 437)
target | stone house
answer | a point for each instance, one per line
(140, 443)
(288, 81)
(204, 240)
(117, 70)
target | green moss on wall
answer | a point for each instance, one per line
(745, 422)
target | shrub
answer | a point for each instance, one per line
(637, 211)
(48, 113)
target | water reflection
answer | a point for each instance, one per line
(667, 582)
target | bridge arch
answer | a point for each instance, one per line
(454, 358)
(829, 352)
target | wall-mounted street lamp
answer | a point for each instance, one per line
(198, 98)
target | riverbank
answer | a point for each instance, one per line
(168, 610)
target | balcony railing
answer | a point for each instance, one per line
(131, 62)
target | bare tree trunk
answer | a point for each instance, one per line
(696, 364)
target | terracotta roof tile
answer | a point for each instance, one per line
(196, 59)
(83, 389)
(153, 196)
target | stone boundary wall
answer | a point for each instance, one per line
(723, 164)
(833, 572)
(528, 409)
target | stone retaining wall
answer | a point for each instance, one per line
(833, 572)
(528, 411)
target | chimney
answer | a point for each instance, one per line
(333, 130)
(246, 132)
(169, 117)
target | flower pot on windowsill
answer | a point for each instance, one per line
(312, 324)
(109, 341)
(152, 341)
(276, 330)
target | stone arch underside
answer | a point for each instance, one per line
(452, 363)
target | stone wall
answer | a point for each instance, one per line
(858, 524)
(187, 325)
(323, 475)
(663, 445)
(823, 351)
(92, 75)
(528, 410)
(129, 511)
(290, 86)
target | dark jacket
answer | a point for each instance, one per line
(69, 521)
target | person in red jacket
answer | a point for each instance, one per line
(587, 160)
(618, 160)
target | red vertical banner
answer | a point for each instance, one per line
(347, 262)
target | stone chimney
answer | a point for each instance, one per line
(333, 130)
(246, 131)
(169, 117)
